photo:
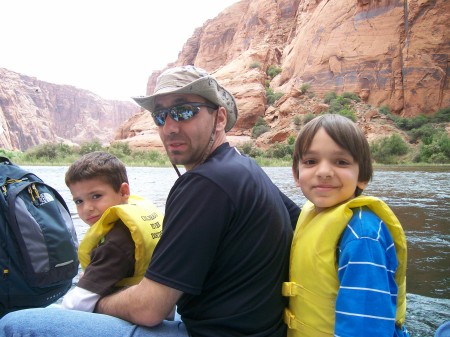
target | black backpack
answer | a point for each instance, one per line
(38, 242)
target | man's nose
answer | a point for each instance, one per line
(170, 125)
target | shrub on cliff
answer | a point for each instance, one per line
(272, 97)
(352, 96)
(388, 149)
(329, 96)
(254, 65)
(435, 149)
(260, 127)
(305, 87)
(341, 104)
(442, 115)
(273, 71)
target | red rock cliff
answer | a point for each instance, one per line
(390, 52)
(33, 112)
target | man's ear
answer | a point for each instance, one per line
(221, 118)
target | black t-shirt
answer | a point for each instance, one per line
(226, 241)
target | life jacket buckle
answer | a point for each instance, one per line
(289, 319)
(291, 289)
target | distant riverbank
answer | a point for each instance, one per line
(263, 162)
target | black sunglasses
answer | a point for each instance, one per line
(179, 112)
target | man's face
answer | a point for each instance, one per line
(185, 141)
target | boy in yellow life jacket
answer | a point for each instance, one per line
(124, 229)
(348, 255)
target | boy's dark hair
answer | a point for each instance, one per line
(100, 165)
(345, 133)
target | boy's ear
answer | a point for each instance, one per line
(362, 185)
(125, 190)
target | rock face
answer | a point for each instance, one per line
(33, 112)
(389, 52)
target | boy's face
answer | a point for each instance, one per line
(328, 174)
(94, 196)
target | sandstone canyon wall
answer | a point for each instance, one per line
(390, 52)
(33, 112)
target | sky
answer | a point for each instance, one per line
(109, 47)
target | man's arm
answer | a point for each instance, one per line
(293, 209)
(147, 303)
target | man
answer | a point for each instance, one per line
(227, 231)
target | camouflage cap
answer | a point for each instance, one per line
(192, 80)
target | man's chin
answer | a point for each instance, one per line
(176, 158)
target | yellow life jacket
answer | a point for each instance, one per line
(144, 221)
(312, 297)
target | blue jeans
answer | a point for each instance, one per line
(55, 322)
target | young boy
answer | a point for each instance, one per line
(348, 256)
(117, 248)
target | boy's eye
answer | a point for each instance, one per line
(308, 162)
(344, 162)
(78, 202)
(96, 196)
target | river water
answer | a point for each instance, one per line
(420, 197)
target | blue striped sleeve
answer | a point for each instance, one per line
(367, 261)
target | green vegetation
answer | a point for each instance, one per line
(435, 149)
(425, 140)
(341, 104)
(309, 116)
(272, 96)
(297, 120)
(441, 116)
(278, 154)
(305, 87)
(387, 150)
(273, 71)
(260, 128)
(254, 65)
(62, 154)
(329, 96)
(429, 131)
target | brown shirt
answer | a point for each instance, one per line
(111, 261)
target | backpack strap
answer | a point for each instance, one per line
(5, 160)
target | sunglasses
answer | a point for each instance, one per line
(181, 112)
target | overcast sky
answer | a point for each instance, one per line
(109, 47)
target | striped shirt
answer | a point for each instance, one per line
(367, 296)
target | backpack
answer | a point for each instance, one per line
(38, 242)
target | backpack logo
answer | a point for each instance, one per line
(39, 199)
(45, 198)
